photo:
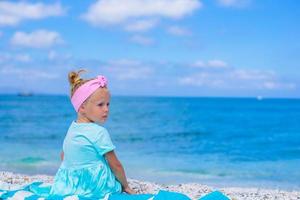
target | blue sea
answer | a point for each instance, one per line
(216, 141)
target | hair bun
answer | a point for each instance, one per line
(75, 79)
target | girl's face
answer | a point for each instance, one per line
(96, 108)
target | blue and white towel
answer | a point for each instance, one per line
(40, 191)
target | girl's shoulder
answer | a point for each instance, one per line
(90, 130)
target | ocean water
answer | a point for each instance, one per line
(216, 141)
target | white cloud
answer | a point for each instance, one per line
(4, 57)
(128, 69)
(236, 79)
(234, 3)
(132, 73)
(179, 31)
(271, 85)
(141, 25)
(217, 64)
(142, 40)
(199, 63)
(52, 55)
(116, 12)
(202, 79)
(23, 58)
(7, 57)
(124, 62)
(12, 13)
(243, 74)
(55, 56)
(27, 73)
(36, 39)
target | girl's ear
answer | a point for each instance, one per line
(81, 108)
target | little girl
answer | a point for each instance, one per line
(90, 167)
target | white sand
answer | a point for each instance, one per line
(10, 180)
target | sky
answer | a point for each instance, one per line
(214, 48)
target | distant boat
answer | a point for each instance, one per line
(25, 94)
(259, 98)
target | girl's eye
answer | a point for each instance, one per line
(102, 104)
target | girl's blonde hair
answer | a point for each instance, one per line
(76, 81)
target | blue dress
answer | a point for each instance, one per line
(84, 170)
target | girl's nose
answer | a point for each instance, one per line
(106, 108)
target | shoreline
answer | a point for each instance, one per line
(9, 181)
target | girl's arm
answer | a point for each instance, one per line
(62, 155)
(118, 170)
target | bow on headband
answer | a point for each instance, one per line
(85, 90)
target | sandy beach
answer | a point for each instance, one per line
(11, 181)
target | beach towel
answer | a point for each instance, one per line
(40, 191)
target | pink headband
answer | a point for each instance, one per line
(85, 90)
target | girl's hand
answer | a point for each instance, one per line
(62, 155)
(128, 190)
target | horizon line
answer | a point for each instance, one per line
(258, 97)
